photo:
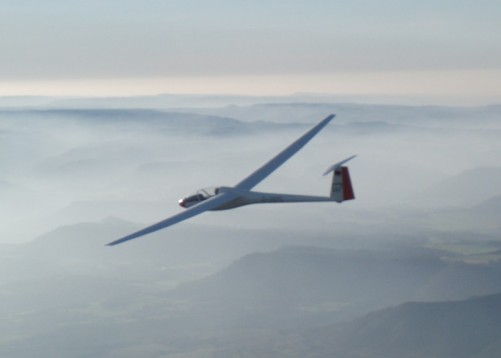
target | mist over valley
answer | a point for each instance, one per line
(304, 280)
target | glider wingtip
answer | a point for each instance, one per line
(324, 122)
(116, 242)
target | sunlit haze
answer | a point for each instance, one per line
(123, 48)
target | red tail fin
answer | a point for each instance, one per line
(347, 187)
(341, 188)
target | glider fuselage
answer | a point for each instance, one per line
(247, 197)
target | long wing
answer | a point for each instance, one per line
(208, 204)
(268, 168)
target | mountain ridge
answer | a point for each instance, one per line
(455, 329)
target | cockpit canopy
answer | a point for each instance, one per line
(198, 196)
(208, 192)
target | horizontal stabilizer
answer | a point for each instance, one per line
(337, 165)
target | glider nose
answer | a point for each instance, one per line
(182, 203)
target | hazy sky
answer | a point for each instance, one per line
(278, 46)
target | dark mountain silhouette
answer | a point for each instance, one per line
(347, 282)
(460, 329)
(287, 300)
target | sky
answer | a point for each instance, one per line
(132, 47)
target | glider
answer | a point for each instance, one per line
(221, 198)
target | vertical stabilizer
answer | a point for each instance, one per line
(341, 188)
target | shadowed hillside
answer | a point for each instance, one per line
(461, 329)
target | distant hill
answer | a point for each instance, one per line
(138, 118)
(304, 110)
(469, 188)
(281, 303)
(480, 218)
(344, 282)
(294, 108)
(490, 205)
(461, 329)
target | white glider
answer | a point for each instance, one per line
(223, 197)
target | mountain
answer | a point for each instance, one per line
(480, 218)
(341, 283)
(455, 329)
(127, 301)
(130, 119)
(468, 188)
(301, 111)
(492, 205)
